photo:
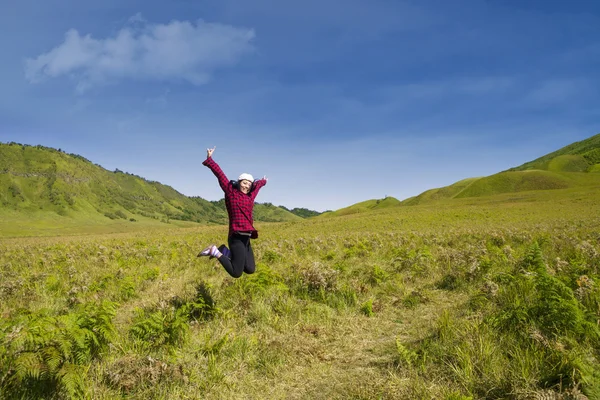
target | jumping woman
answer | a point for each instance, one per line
(239, 200)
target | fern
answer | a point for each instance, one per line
(544, 314)
(71, 378)
(558, 312)
(44, 355)
(534, 260)
(405, 355)
(202, 306)
(163, 327)
(169, 327)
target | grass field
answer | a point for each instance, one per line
(48, 224)
(489, 297)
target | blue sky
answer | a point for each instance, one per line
(336, 101)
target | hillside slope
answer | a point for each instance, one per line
(582, 156)
(41, 182)
(575, 165)
(364, 206)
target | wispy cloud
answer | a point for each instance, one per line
(177, 51)
(559, 92)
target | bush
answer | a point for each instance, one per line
(110, 215)
(318, 277)
(120, 214)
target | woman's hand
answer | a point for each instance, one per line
(209, 152)
(265, 178)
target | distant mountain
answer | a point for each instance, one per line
(577, 164)
(38, 179)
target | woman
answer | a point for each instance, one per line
(239, 200)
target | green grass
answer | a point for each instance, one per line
(568, 163)
(510, 182)
(479, 297)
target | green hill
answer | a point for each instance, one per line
(583, 156)
(440, 193)
(575, 165)
(364, 206)
(45, 187)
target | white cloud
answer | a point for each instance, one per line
(177, 51)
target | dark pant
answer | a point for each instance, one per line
(242, 257)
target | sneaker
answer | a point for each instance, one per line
(206, 251)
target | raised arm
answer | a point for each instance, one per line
(258, 184)
(214, 167)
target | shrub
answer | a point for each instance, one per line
(120, 214)
(318, 277)
(131, 372)
(110, 215)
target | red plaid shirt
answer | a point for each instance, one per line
(239, 205)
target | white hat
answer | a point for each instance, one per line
(246, 176)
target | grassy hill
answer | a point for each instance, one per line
(440, 193)
(576, 165)
(364, 206)
(45, 189)
(583, 156)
